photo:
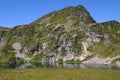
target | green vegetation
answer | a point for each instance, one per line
(109, 44)
(61, 32)
(73, 61)
(60, 61)
(61, 16)
(110, 27)
(38, 57)
(114, 61)
(89, 57)
(70, 61)
(59, 74)
(105, 49)
(6, 54)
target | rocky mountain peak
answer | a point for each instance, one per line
(80, 10)
(83, 14)
(77, 14)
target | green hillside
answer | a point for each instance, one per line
(67, 35)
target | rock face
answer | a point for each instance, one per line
(70, 34)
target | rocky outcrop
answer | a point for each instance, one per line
(70, 34)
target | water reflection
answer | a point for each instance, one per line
(27, 65)
(83, 66)
(63, 65)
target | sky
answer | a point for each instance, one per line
(20, 12)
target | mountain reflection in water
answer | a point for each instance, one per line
(66, 65)
(62, 65)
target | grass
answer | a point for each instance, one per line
(59, 74)
(72, 61)
(105, 49)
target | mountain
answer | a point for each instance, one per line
(67, 35)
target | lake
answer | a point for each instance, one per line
(60, 65)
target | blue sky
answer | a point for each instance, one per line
(17, 12)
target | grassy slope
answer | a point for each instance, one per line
(59, 74)
(109, 46)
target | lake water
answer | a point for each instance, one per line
(58, 65)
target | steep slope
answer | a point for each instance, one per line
(67, 35)
(3, 31)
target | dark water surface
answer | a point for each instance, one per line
(58, 65)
